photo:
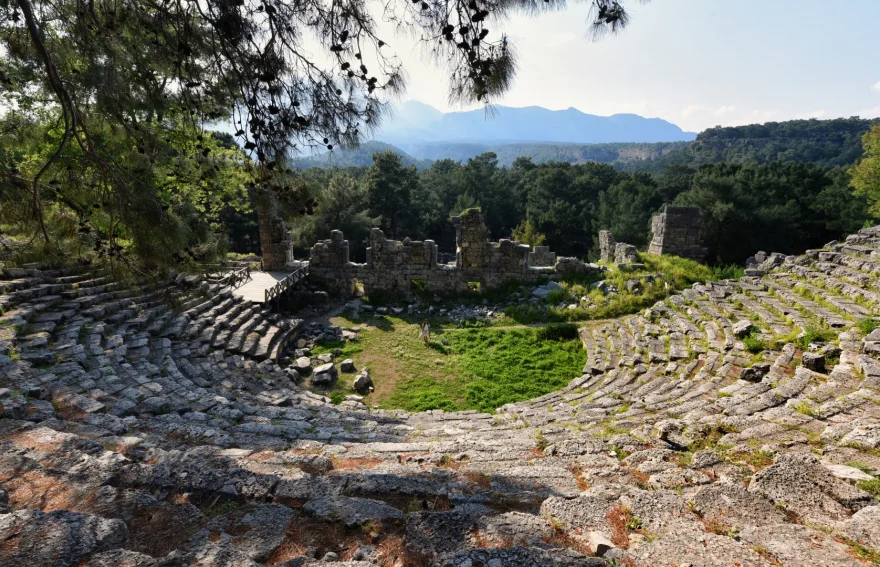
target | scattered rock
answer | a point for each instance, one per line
(32, 537)
(801, 485)
(755, 373)
(814, 361)
(742, 328)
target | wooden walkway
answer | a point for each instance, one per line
(255, 288)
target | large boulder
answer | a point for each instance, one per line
(801, 485)
(362, 381)
(755, 373)
(814, 361)
(59, 538)
(864, 527)
(352, 511)
(303, 364)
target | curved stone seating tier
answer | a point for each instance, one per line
(156, 427)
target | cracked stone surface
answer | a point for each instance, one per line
(134, 432)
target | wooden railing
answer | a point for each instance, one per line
(276, 291)
(236, 277)
(212, 272)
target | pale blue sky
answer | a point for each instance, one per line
(696, 63)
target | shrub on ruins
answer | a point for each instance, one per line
(101, 89)
(753, 342)
(525, 233)
(661, 276)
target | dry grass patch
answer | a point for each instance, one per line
(490, 541)
(354, 464)
(622, 522)
(479, 479)
(579, 478)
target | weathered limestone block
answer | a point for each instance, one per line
(625, 254)
(678, 231)
(542, 256)
(606, 246)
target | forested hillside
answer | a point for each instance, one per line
(784, 207)
(827, 143)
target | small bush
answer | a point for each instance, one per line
(805, 408)
(558, 332)
(557, 296)
(815, 335)
(867, 325)
(336, 398)
(753, 344)
(731, 272)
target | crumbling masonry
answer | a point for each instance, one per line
(678, 231)
(393, 265)
(616, 252)
(275, 240)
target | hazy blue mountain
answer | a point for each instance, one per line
(412, 115)
(417, 123)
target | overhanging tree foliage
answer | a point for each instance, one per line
(111, 82)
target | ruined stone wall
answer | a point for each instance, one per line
(678, 231)
(394, 265)
(613, 252)
(542, 256)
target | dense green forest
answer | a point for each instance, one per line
(827, 143)
(784, 207)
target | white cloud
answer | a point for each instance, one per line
(692, 109)
(869, 112)
(876, 86)
(722, 110)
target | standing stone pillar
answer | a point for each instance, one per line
(606, 246)
(275, 239)
(678, 231)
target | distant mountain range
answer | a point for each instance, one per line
(416, 124)
(827, 143)
(420, 134)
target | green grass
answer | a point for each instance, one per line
(813, 334)
(871, 486)
(679, 273)
(753, 344)
(481, 368)
(806, 408)
(558, 332)
(504, 366)
(336, 398)
(867, 325)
